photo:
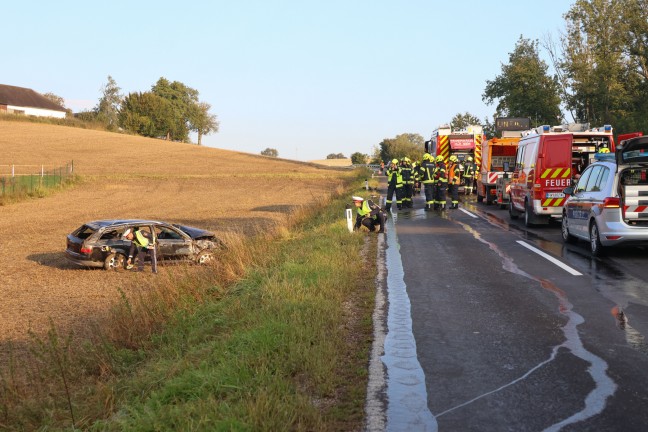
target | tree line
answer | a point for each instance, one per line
(170, 110)
(601, 76)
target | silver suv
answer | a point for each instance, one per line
(608, 206)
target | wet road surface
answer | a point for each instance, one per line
(511, 329)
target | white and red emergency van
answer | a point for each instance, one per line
(543, 168)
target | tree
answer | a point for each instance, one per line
(524, 89)
(147, 114)
(58, 100)
(182, 100)
(461, 121)
(202, 121)
(270, 152)
(335, 156)
(407, 144)
(358, 158)
(109, 104)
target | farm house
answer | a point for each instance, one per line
(20, 100)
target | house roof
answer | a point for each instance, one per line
(24, 97)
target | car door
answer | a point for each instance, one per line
(593, 195)
(574, 208)
(173, 244)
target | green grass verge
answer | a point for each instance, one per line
(286, 349)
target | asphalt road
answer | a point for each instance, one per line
(507, 339)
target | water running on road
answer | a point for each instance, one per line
(407, 408)
(604, 386)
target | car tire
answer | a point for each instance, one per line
(115, 261)
(528, 215)
(564, 231)
(204, 257)
(596, 248)
(514, 214)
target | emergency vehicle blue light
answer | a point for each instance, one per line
(604, 157)
(607, 128)
(546, 128)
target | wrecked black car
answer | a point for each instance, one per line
(101, 243)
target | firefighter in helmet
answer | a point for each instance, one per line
(394, 185)
(408, 182)
(469, 175)
(454, 178)
(427, 178)
(440, 183)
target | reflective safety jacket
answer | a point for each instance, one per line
(394, 177)
(440, 176)
(427, 172)
(454, 174)
(141, 239)
(368, 209)
(469, 172)
(406, 172)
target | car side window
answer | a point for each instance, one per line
(592, 180)
(167, 233)
(580, 186)
(520, 158)
(601, 181)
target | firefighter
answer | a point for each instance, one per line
(416, 173)
(469, 175)
(440, 184)
(394, 185)
(369, 214)
(454, 178)
(427, 178)
(408, 182)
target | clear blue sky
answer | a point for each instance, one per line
(307, 78)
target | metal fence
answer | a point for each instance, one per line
(26, 179)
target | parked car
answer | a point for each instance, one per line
(101, 243)
(608, 206)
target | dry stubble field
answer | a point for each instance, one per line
(126, 177)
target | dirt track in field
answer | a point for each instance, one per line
(125, 177)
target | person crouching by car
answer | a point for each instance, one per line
(141, 245)
(369, 215)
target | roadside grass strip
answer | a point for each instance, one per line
(282, 346)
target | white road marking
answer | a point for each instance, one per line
(550, 258)
(467, 212)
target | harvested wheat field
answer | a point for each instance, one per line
(126, 177)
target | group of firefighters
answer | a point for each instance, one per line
(405, 179)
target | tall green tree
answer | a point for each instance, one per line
(403, 145)
(147, 114)
(107, 111)
(524, 88)
(183, 100)
(461, 121)
(201, 121)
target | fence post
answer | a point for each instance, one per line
(13, 170)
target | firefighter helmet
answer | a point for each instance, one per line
(427, 156)
(439, 158)
(604, 150)
(469, 158)
(394, 161)
(453, 158)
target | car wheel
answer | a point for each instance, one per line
(512, 212)
(528, 214)
(115, 261)
(566, 236)
(596, 248)
(204, 257)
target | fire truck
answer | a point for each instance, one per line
(461, 143)
(543, 167)
(498, 160)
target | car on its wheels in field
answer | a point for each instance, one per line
(608, 206)
(102, 243)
